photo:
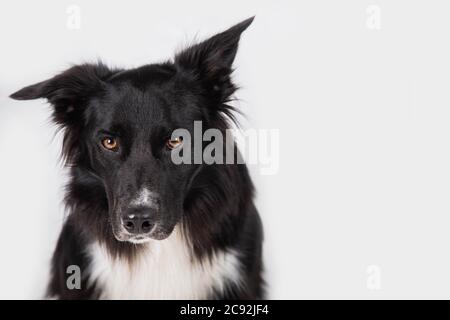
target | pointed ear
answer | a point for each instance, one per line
(69, 91)
(212, 59)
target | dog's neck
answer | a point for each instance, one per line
(164, 269)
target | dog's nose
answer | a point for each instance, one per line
(138, 221)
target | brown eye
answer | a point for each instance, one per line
(110, 144)
(174, 143)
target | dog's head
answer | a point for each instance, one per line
(118, 125)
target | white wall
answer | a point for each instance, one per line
(363, 114)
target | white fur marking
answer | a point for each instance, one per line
(145, 199)
(165, 270)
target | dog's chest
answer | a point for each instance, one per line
(164, 270)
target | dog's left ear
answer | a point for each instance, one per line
(211, 60)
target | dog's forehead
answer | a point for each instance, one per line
(138, 105)
(154, 99)
(123, 100)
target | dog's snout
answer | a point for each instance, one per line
(138, 221)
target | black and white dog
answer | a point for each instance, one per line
(139, 225)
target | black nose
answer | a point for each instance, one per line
(138, 221)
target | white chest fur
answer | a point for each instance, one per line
(164, 270)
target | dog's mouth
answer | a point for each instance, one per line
(139, 239)
(156, 233)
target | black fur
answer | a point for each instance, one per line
(213, 203)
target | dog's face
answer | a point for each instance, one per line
(129, 141)
(119, 123)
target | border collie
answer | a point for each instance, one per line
(140, 226)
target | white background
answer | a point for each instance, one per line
(363, 116)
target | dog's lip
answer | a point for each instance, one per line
(156, 234)
(125, 236)
(139, 239)
(142, 238)
(136, 239)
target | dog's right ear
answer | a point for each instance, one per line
(68, 91)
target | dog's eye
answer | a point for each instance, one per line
(174, 143)
(110, 144)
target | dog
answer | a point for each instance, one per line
(140, 226)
